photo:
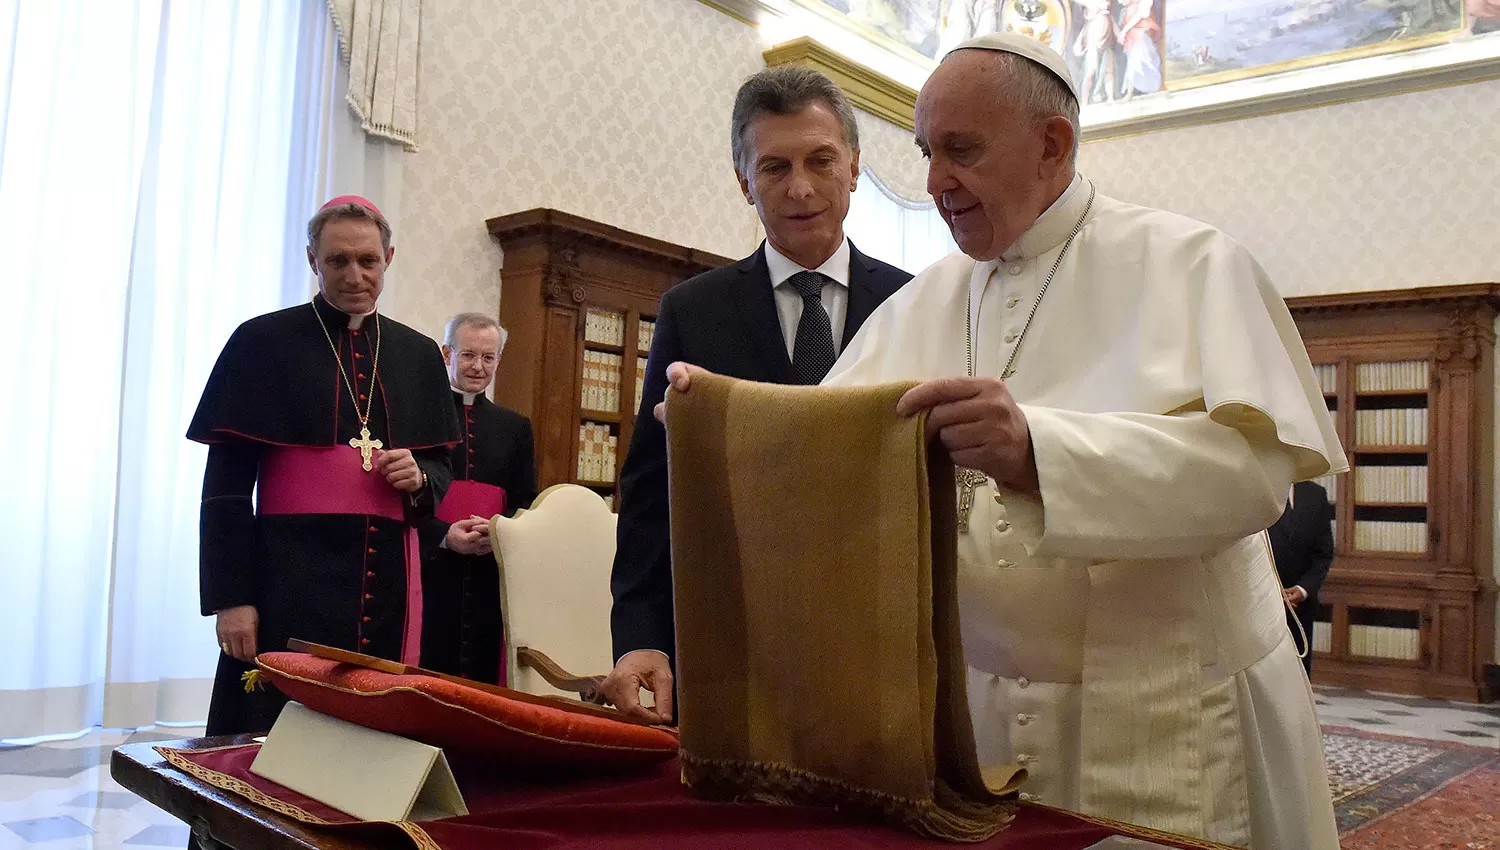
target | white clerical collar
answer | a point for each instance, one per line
(468, 397)
(1052, 227)
(781, 268)
(356, 320)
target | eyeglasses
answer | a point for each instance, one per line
(471, 356)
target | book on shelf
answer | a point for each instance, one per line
(601, 381)
(1388, 536)
(603, 327)
(597, 449)
(1391, 377)
(1322, 635)
(645, 333)
(1328, 377)
(1400, 644)
(1396, 426)
(1399, 484)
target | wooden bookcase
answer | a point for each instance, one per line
(1409, 604)
(579, 299)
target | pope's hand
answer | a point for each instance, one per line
(979, 423)
(679, 377)
(235, 628)
(643, 668)
(1293, 596)
(400, 470)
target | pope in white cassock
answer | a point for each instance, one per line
(1131, 400)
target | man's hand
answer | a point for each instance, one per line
(679, 377)
(643, 668)
(470, 536)
(236, 630)
(1293, 595)
(980, 424)
(400, 470)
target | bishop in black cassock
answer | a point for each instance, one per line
(494, 471)
(292, 412)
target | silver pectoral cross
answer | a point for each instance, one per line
(968, 481)
(365, 445)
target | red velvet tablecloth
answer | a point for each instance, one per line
(644, 810)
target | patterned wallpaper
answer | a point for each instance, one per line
(1384, 193)
(616, 111)
(891, 153)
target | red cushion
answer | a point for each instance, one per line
(466, 722)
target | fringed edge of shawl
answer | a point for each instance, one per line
(947, 816)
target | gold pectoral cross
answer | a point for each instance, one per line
(968, 481)
(367, 446)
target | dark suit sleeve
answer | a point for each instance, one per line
(430, 534)
(228, 572)
(421, 504)
(520, 484)
(642, 579)
(1320, 556)
(434, 461)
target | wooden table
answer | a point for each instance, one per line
(212, 812)
(220, 818)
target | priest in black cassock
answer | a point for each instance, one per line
(494, 472)
(339, 421)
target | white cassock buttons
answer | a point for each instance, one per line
(1012, 301)
(1010, 337)
(1015, 268)
(1002, 525)
(1005, 564)
(1023, 682)
(1030, 798)
(1024, 719)
(1025, 759)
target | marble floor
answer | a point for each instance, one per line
(59, 795)
(1413, 717)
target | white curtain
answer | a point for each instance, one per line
(343, 157)
(380, 42)
(907, 233)
(158, 160)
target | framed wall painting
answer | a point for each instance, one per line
(1150, 64)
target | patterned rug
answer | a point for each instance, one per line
(1395, 793)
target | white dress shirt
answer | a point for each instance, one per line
(789, 302)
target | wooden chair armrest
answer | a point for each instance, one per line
(587, 687)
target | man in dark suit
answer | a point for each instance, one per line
(494, 471)
(1302, 543)
(781, 315)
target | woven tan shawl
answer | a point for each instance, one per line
(818, 655)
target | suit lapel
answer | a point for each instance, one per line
(862, 295)
(757, 304)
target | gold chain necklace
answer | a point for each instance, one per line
(970, 479)
(365, 445)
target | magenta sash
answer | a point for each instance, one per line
(295, 480)
(471, 498)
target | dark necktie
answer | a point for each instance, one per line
(813, 351)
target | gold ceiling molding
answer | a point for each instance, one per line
(869, 90)
(737, 9)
